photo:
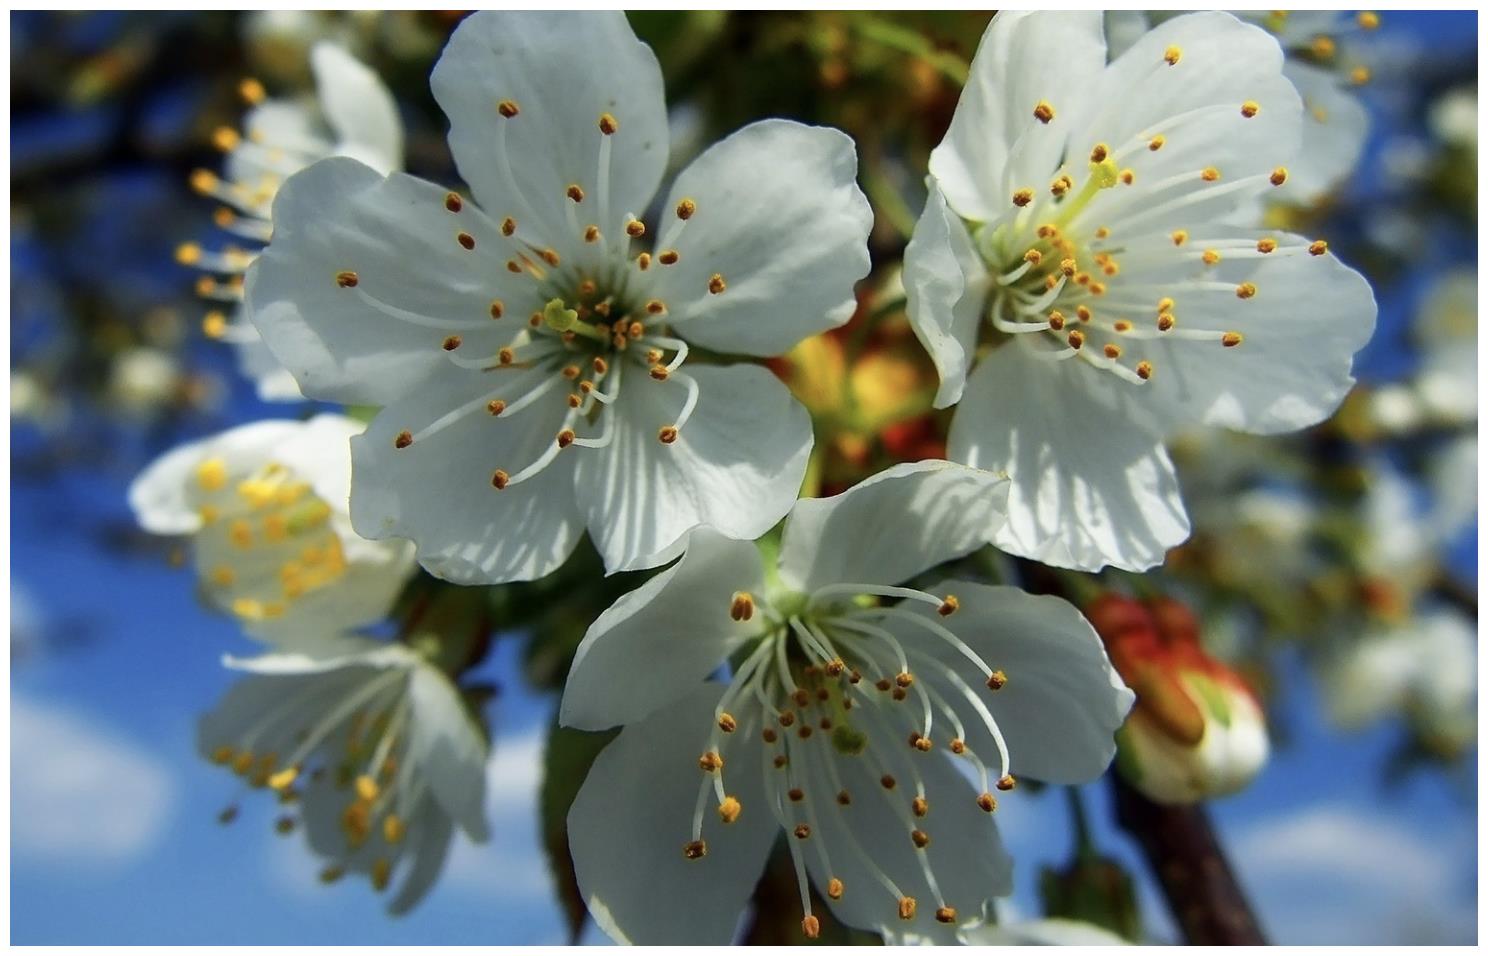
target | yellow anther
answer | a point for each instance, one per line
(392, 828)
(802, 831)
(1056, 320)
(948, 605)
(996, 680)
(508, 108)
(203, 181)
(212, 474)
(1122, 325)
(1043, 111)
(222, 755)
(1144, 370)
(1033, 256)
(685, 209)
(591, 234)
(1245, 290)
(1278, 175)
(1359, 75)
(252, 91)
(1102, 233)
(241, 533)
(1165, 304)
(566, 437)
(695, 850)
(1099, 153)
(919, 838)
(1368, 20)
(1022, 197)
(1007, 782)
(551, 257)
(907, 907)
(499, 479)
(657, 307)
(1112, 350)
(834, 889)
(225, 138)
(1323, 47)
(741, 607)
(508, 226)
(669, 257)
(1231, 339)
(453, 202)
(382, 873)
(608, 125)
(1165, 322)
(1083, 313)
(1210, 256)
(810, 926)
(919, 806)
(347, 279)
(1067, 266)
(1172, 55)
(284, 778)
(1128, 177)
(1061, 185)
(946, 914)
(366, 788)
(716, 285)
(1076, 339)
(667, 434)
(243, 762)
(1266, 245)
(1156, 142)
(451, 343)
(1249, 108)
(575, 192)
(1209, 174)
(188, 253)
(1318, 248)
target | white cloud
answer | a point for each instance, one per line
(79, 793)
(1334, 874)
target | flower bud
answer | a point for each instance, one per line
(1196, 731)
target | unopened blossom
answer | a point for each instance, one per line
(1197, 730)
(1072, 280)
(532, 345)
(352, 114)
(265, 508)
(876, 724)
(370, 750)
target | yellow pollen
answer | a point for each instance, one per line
(252, 91)
(1359, 75)
(284, 778)
(1179, 236)
(1022, 197)
(591, 234)
(716, 285)
(1318, 248)
(685, 209)
(1210, 256)
(608, 125)
(946, 914)
(1209, 174)
(1245, 290)
(667, 434)
(1266, 245)
(1323, 47)
(1076, 339)
(729, 809)
(1165, 304)
(1278, 175)
(919, 838)
(1007, 782)
(347, 279)
(1249, 108)
(1043, 112)
(453, 202)
(1172, 55)
(1033, 256)
(1122, 325)
(1112, 350)
(1368, 20)
(1165, 322)
(1099, 153)
(1061, 186)
(241, 533)
(727, 723)
(919, 806)
(660, 373)
(906, 907)
(508, 226)
(948, 605)
(1231, 339)
(451, 343)
(499, 479)
(212, 474)
(1097, 288)
(1067, 266)
(997, 680)
(741, 607)
(203, 181)
(1056, 320)
(1102, 233)
(508, 108)
(188, 253)
(1156, 142)
(1083, 313)
(1144, 370)
(834, 888)
(987, 802)
(366, 788)
(669, 257)
(635, 229)
(566, 437)
(1128, 177)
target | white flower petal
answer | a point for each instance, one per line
(657, 643)
(328, 652)
(161, 494)
(1063, 701)
(1335, 126)
(945, 285)
(358, 108)
(737, 464)
(994, 144)
(281, 126)
(1308, 316)
(449, 749)
(628, 825)
(438, 491)
(780, 218)
(398, 238)
(965, 851)
(890, 527)
(1091, 485)
(429, 835)
(1195, 103)
(562, 70)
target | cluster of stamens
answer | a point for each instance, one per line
(270, 511)
(355, 748)
(1056, 285)
(828, 682)
(589, 316)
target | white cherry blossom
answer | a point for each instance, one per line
(872, 722)
(1072, 278)
(533, 355)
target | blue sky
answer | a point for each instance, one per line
(114, 659)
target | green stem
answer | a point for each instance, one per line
(908, 41)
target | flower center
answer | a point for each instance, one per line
(827, 685)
